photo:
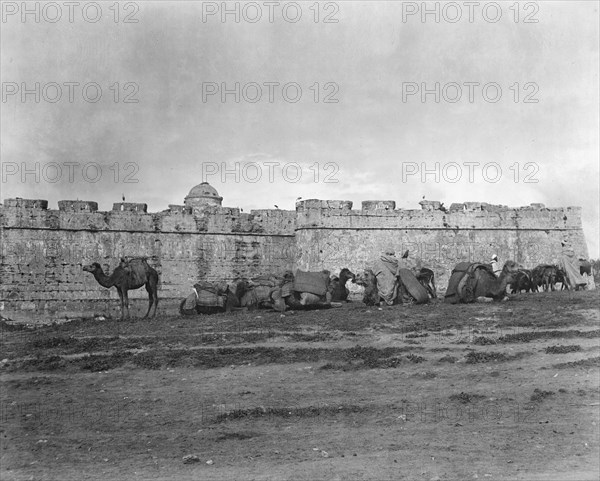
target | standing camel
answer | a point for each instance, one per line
(129, 275)
(522, 282)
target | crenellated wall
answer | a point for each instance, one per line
(330, 235)
(42, 250)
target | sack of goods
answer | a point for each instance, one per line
(313, 282)
(413, 286)
(461, 284)
(210, 295)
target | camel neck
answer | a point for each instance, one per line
(103, 279)
(502, 282)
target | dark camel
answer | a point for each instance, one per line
(129, 275)
(487, 285)
(546, 276)
(522, 282)
(338, 289)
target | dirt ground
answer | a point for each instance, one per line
(502, 391)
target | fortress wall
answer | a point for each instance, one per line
(43, 252)
(332, 238)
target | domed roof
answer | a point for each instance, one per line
(204, 190)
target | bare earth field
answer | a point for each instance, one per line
(503, 391)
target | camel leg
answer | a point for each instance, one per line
(150, 300)
(122, 303)
(126, 303)
(154, 289)
(155, 293)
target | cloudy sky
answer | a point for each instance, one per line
(336, 100)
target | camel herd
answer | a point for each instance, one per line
(469, 282)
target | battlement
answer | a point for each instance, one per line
(310, 213)
(130, 207)
(125, 216)
(345, 205)
(19, 203)
(77, 206)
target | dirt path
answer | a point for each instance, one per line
(496, 391)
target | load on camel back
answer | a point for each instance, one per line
(302, 291)
(391, 283)
(473, 281)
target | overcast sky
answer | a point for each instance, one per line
(359, 119)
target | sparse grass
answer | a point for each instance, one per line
(483, 341)
(585, 363)
(475, 357)
(534, 335)
(450, 359)
(539, 395)
(466, 398)
(562, 349)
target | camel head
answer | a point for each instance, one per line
(511, 266)
(348, 274)
(94, 267)
(366, 279)
(288, 276)
(510, 270)
(240, 287)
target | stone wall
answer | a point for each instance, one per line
(331, 235)
(43, 250)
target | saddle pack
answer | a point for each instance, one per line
(462, 282)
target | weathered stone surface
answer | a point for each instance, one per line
(323, 204)
(181, 209)
(369, 205)
(455, 207)
(42, 251)
(438, 240)
(430, 205)
(26, 203)
(130, 207)
(77, 206)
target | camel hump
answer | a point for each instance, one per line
(128, 261)
(136, 268)
(135, 264)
